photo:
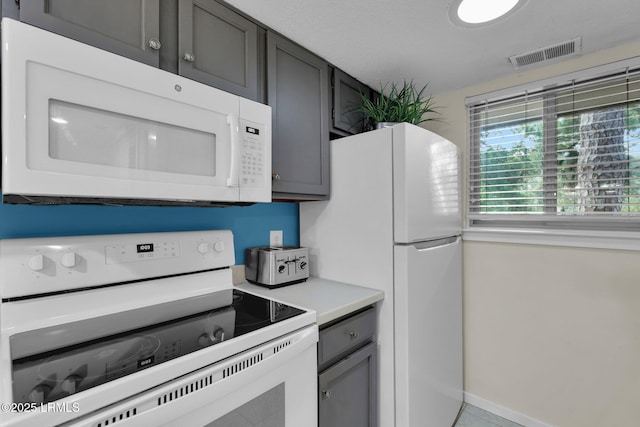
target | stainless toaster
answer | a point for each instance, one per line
(277, 266)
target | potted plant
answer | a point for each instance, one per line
(400, 103)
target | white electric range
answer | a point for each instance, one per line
(146, 329)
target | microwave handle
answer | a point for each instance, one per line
(232, 121)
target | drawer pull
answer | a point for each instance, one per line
(353, 334)
(326, 394)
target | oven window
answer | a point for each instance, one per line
(266, 410)
(89, 135)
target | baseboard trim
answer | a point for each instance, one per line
(503, 412)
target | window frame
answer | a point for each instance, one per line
(549, 91)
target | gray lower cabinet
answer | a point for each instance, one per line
(126, 27)
(346, 100)
(297, 91)
(218, 47)
(347, 379)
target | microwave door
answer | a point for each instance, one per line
(91, 136)
(78, 128)
(133, 151)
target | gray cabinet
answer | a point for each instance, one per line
(129, 28)
(347, 379)
(199, 39)
(346, 90)
(297, 91)
(218, 47)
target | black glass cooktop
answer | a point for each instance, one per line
(59, 373)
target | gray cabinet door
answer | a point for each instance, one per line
(297, 91)
(347, 391)
(346, 100)
(218, 47)
(126, 27)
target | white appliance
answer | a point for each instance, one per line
(147, 330)
(83, 125)
(393, 223)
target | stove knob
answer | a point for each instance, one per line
(219, 246)
(71, 383)
(203, 248)
(68, 259)
(218, 334)
(39, 393)
(36, 262)
(206, 339)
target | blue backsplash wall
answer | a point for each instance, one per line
(250, 224)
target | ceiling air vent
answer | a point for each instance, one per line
(567, 48)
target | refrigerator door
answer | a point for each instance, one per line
(425, 185)
(428, 333)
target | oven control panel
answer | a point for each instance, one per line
(136, 252)
(54, 264)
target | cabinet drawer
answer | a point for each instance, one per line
(345, 336)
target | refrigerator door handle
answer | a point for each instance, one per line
(436, 243)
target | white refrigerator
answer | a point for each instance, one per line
(393, 223)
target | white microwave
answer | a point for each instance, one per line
(82, 125)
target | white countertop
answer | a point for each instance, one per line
(330, 300)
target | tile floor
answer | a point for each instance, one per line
(472, 416)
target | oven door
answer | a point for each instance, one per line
(79, 122)
(271, 385)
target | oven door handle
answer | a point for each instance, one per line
(232, 121)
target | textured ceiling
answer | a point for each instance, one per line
(393, 40)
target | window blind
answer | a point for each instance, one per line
(566, 156)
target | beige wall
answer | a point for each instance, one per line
(550, 332)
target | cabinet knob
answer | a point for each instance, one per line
(275, 176)
(189, 56)
(155, 44)
(353, 334)
(326, 394)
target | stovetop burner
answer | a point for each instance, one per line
(58, 373)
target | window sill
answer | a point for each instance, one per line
(620, 240)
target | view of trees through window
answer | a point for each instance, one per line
(588, 162)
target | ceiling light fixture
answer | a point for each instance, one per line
(474, 12)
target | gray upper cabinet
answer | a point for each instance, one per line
(346, 100)
(218, 47)
(126, 27)
(207, 41)
(199, 39)
(297, 91)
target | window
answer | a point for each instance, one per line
(564, 157)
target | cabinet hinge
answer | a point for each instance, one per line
(333, 113)
(18, 3)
